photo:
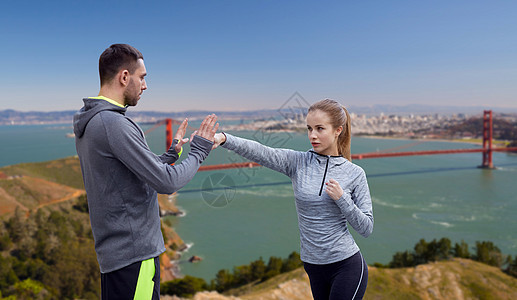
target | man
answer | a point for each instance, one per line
(122, 177)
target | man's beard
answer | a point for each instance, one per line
(130, 94)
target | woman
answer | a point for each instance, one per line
(329, 191)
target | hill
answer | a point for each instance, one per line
(504, 128)
(34, 196)
(35, 185)
(454, 279)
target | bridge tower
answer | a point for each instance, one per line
(168, 133)
(487, 140)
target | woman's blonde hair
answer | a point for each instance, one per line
(338, 117)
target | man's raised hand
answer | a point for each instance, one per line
(179, 135)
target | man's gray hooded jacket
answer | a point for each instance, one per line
(122, 177)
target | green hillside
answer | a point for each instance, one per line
(46, 244)
(65, 171)
(454, 279)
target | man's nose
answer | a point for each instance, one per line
(144, 85)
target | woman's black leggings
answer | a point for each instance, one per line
(341, 280)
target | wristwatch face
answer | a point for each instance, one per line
(175, 141)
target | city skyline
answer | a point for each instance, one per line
(246, 55)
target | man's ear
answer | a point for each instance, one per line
(123, 76)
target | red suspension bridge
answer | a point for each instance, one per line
(486, 150)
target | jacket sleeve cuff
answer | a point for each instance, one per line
(171, 155)
(173, 147)
(202, 144)
(225, 137)
(345, 203)
(230, 141)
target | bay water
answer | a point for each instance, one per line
(253, 214)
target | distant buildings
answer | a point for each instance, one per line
(405, 126)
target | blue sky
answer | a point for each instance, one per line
(240, 55)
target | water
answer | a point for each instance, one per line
(34, 143)
(414, 197)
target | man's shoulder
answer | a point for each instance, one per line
(115, 122)
(113, 117)
(111, 121)
(111, 114)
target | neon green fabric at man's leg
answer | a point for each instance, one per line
(145, 284)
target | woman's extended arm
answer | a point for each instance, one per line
(280, 160)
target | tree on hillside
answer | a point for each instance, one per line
(76, 270)
(461, 250)
(432, 251)
(421, 252)
(241, 275)
(7, 275)
(15, 225)
(274, 267)
(258, 269)
(488, 253)
(223, 280)
(512, 266)
(444, 249)
(292, 262)
(5, 239)
(402, 259)
(183, 287)
(81, 204)
(50, 256)
(27, 244)
(29, 289)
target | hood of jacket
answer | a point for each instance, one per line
(92, 106)
(333, 160)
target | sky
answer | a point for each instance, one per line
(255, 54)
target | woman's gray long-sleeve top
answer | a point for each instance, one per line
(324, 235)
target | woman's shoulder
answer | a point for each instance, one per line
(352, 169)
(301, 155)
(354, 166)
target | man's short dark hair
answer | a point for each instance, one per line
(115, 58)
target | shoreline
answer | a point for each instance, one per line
(473, 142)
(174, 244)
(478, 142)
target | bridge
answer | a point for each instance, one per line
(486, 150)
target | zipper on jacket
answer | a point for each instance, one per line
(324, 175)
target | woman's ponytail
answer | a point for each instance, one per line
(345, 138)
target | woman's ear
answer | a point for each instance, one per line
(339, 130)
